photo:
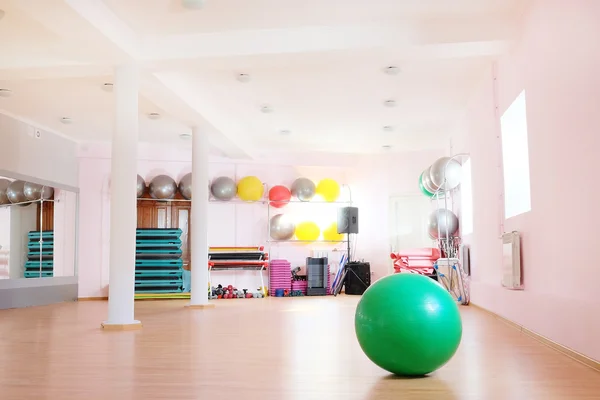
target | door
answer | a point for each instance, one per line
(180, 218)
(409, 216)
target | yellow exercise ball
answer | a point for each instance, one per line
(308, 231)
(330, 233)
(250, 188)
(328, 189)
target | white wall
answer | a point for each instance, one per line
(48, 159)
(65, 203)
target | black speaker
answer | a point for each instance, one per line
(347, 220)
(358, 277)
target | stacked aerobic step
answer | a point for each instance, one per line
(158, 262)
(40, 246)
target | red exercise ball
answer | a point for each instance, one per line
(279, 196)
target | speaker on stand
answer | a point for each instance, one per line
(355, 276)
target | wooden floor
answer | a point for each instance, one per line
(280, 349)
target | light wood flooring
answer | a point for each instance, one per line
(280, 349)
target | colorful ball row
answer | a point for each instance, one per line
(249, 188)
(281, 227)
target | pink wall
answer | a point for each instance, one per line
(557, 63)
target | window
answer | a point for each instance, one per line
(515, 158)
(466, 199)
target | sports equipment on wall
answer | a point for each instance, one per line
(408, 324)
(422, 187)
(250, 188)
(34, 191)
(279, 196)
(15, 192)
(328, 189)
(427, 182)
(223, 188)
(4, 183)
(331, 233)
(141, 186)
(307, 231)
(185, 186)
(445, 173)
(442, 223)
(281, 227)
(303, 189)
(163, 187)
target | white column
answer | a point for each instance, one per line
(199, 220)
(123, 213)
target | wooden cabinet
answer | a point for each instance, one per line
(167, 214)
(47, 216)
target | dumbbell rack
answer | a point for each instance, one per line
(40, 255)
(158, 262)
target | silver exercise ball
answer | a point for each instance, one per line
(303, 189)
(427, 183)
(34, 191)
(185, 186)
(282, 227)
(223, 188)
(141, 186)
(446, 173)
(15, 192)
(445, 220)
(162, 187)
(4, 183)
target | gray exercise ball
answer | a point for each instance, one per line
(223, 188)
(15, 192)
(303, 189)
(34, 191)
(4, 183)
(185, 186)
(162, 187)
(427, 183)
(281, 227)
(141, 186)
(446, 173)
(443, 220)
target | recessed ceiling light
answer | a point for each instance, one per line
(185, 136)
(193, 4)
(285, 132)
(154, 116)
(5, 92)
(391, 70)
(388, 128)
(266, 109)
(244, 78)
(386, 146)
(390, 103)
(107, 87)
(66, 120)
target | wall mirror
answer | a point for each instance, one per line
(38, 230)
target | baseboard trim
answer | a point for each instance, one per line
(201, 306)
(92, 298)
(122, 327)
(583, 359)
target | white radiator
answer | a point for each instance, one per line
(511, 261)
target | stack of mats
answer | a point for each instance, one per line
(300, 286)
(158, 262)
(280, 276)
(40, 243)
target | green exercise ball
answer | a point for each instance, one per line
(423, 188)
(408, 324)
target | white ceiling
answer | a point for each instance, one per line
(318, 63)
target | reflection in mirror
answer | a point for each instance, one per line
(37, 230)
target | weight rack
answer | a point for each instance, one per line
(40, 255)
(158, 262)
